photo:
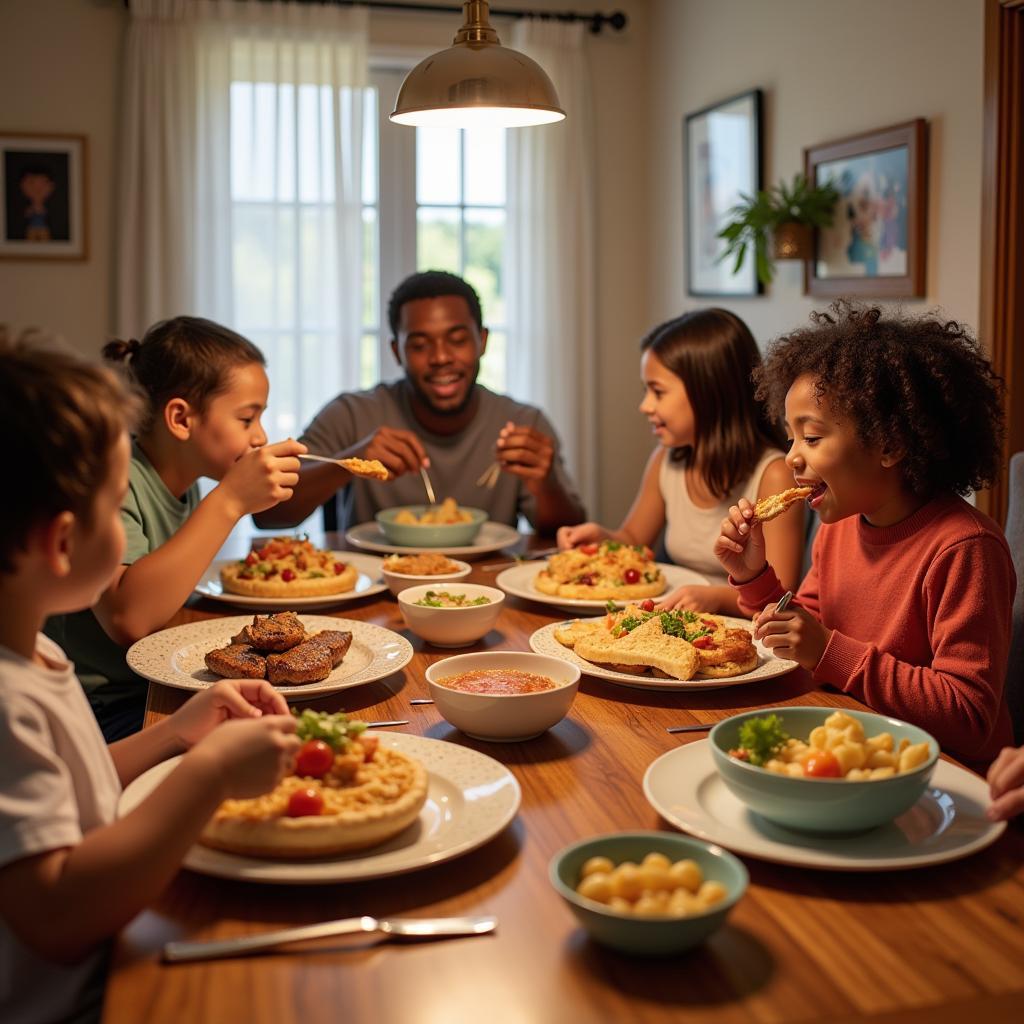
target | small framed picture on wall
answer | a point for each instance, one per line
(722, 162)
(43, 183)
(875, 246)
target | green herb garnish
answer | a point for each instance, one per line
(762, 738)
(335, 730)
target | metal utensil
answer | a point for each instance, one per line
(320, 458)
(426, 928)
(489, 477)
(427, 485)
(701, 727)
(390, 721)
(784, 601)
(421, 700)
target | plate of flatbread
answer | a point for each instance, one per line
(720, 650)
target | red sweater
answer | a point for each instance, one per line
(921, 614)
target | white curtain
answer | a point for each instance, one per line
(551, 275)
(241, 183)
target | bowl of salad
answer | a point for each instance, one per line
(451, 614)
(823, 770)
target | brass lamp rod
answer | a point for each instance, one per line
(616, 20)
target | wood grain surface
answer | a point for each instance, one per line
(934, 944)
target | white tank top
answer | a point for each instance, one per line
(691, 532)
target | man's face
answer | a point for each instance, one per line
(439, 347)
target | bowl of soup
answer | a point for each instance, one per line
(823, 770)
(503, 696)
(451, 614)
(431, 526)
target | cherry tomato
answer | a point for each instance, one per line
(822, 765)
(305, 803)
(369, 745)
(339, 568)
(314, 758)
(251, 559)
(648, 605)
(287, 575)
(704, 642)
(588, 549)
(631, 576)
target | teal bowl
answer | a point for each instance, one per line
(647, 936)
(409, 536)
(821, 806)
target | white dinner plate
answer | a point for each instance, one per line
(176, 656)
(492, 537)
(519, 581)
(470, 799)
(947, 823)
(768, 665)
(369, 582)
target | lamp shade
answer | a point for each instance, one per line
(477, 81)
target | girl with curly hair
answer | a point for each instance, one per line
(716, 445)
(907, 606)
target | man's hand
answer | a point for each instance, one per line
(401, 451)
(525, 452)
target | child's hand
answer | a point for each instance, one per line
(740, 546)
(584, 533)
(251, 755)
(688, 599)
(263, 477)
(1006, 784)
(237, 698)
(794, 634)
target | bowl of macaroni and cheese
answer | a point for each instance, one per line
(503, 696)
(431, 526)
(822, 770)
(451, 615)
(648, 893)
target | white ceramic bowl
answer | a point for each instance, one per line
(451, 627)
(505, 718)
(399, 581)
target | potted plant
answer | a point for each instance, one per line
(787, 213)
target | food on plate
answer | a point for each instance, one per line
(600, 572)
(371, 468)
(288, 567)
(838, 749)
(445, 514)
(655, 887)
(442, 599)
(498, 681)
(774, 505)
(426, 564)
(346, 792)
(278, 648)
(721, 651)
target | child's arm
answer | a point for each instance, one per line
(145, 594)
(643, 521)
(1006, 784)
(63, 902)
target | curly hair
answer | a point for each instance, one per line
(433, 284)
(919, 385)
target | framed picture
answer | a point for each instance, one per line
(876, 244)
(722, 160)
(43, 183)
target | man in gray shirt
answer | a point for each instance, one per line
(437, 417)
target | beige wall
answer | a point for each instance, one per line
(59, 71)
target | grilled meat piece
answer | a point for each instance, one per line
(309, 662)
(336, 641)
(237, 661)
(280, 632)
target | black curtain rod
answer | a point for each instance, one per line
(596, 20)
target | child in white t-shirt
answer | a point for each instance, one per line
(70, 874)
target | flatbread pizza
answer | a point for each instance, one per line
(608, 571)
(289, 567)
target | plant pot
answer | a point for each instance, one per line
(793, 241)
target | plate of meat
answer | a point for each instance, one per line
(303, 656)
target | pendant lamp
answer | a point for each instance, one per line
(477, 81)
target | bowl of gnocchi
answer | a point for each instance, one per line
(648, 893)
(823, 771)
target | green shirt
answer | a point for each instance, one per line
(151, 515)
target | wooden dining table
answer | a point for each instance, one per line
(934, 944)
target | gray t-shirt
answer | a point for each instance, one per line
(456, 461)
(151, 515)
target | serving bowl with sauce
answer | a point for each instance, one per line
(504, 696)
(451, 614)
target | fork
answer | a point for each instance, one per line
(489, 477)
(427, 485)
(426, 927)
